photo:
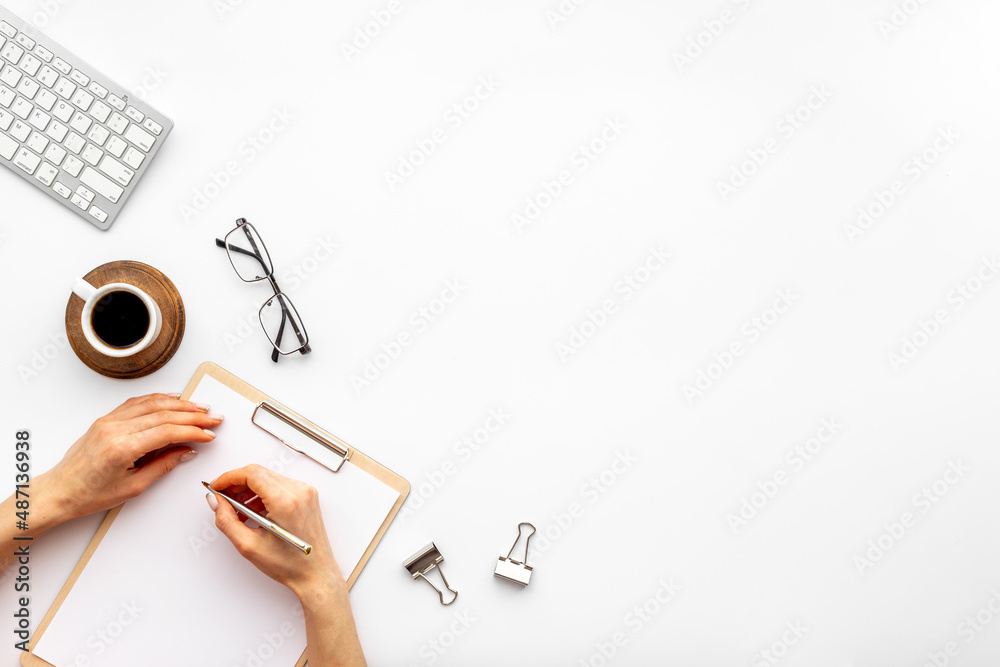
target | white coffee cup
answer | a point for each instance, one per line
(92, 296)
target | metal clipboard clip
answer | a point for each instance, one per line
(342, 454)
(425, 560)
(512, 570)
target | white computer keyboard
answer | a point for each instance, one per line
(69, 130)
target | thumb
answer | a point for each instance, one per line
(229, 524)
(143, 477)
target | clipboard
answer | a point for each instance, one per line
(334, 455)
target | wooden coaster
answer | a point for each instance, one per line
(162, 291)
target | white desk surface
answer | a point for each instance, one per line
(683, 466)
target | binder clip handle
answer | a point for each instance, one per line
(523, 523)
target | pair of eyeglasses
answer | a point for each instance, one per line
(250, 259)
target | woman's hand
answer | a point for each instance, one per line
(291, 504)
(99, 472)
(314, 578)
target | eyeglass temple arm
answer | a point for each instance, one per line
(233, 248)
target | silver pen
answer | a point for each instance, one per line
(296, 542)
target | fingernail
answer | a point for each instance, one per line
(215, 415)
(188, 455)
(202, 406)
(213, 502)
(210, 432)
(174, 395)
(212, 483)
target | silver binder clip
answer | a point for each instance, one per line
(425, 560)
(512, 570)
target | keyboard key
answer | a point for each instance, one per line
(7, 29)
(101, 185)
(62, 190)
(139, 137)
(134, 114)
(25, 41)
(10, 76)
(98, 214)
(98, 135)
(12, 53)
(116, 146)
(118, 123)
(80, 202)
(85, 193)
(40, 120)
(62, 66)
(20, 131)
(97, 89)
(73, 165)
(55, 154)
(74, 143)
(30, 65)
(63, 111)
(65, 88)
(79, 77)
(92, 155)
(43, 53)
(153, 126)
(46, 99)
(47, 173)
(7, 96)
(22, 107)
(6, 119)
(27, 160)
(118, 172)
(116, 102)
(82, 99)
(57, 131)
(100, 111)
(8, 147)
(28, 88)
(48, 76)
(80, 123)
(134, 158)
(37, 142)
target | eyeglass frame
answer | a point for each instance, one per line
(303, 335)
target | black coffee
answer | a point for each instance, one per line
(120, 319)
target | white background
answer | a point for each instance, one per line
(321, 180)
